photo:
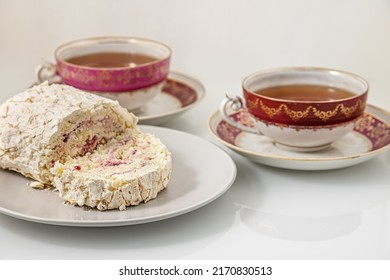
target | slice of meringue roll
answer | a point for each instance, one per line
(61, 136)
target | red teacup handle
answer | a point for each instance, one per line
(235, 104)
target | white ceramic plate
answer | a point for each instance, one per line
(195, 182)
(370, 137)
(180, 93)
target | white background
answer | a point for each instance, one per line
(219, 43)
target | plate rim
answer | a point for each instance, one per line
(368, 154)
(138, 220)
(178, 76)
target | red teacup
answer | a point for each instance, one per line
(303, 108)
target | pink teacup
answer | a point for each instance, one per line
(131, 70)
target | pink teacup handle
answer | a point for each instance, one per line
(46, 72)
(235, 104)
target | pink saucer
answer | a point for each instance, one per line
(370, 137)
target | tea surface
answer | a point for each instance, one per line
(110, 59)
(305, 93)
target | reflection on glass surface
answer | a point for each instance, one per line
(300, 228)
